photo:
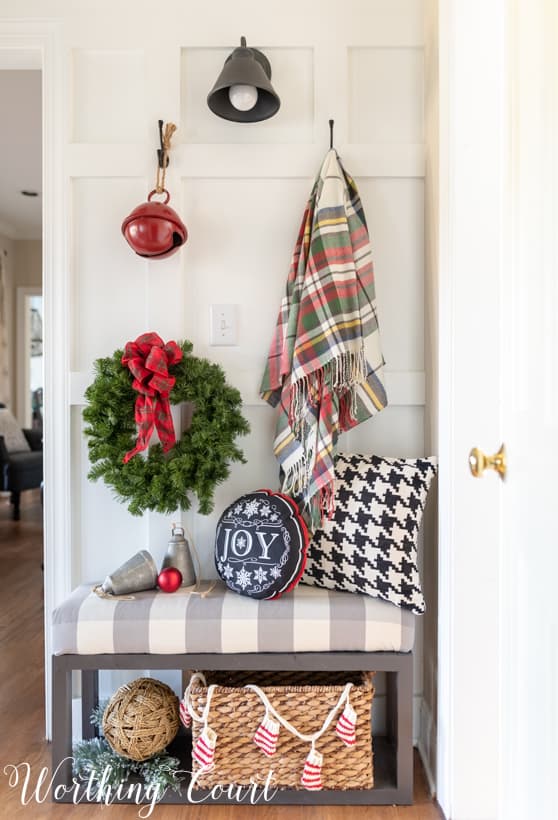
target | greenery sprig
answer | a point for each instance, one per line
(197, 463)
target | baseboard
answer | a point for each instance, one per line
(422, 744)
(429, 776)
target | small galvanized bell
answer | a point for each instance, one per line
(153, 229)
(136, 574)
(178, 556)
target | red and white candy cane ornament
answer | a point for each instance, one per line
(185, 716)
(346, 724)
(266, 736)
(204, 749)
(312, 773)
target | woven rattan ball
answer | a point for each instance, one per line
(141, 718)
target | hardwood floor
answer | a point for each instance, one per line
(22, 701)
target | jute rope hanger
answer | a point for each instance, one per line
(166, 137)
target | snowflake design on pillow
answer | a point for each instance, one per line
(260, 575)
(243, 578)
(251, 508)
(370, 543)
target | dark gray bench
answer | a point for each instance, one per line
(393, 753)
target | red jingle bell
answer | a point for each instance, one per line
(169, 579)
(154, 230)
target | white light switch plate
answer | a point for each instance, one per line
(223, 325)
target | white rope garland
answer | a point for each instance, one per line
(343, 698)
(197, 677)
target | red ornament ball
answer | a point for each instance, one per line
(169, 579)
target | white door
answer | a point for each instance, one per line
(530, 558)
(498, 724)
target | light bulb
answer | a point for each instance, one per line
(243, 97)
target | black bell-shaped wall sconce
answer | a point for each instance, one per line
(243, 91)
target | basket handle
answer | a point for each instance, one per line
(198, 678)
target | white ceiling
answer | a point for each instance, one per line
(20, 153)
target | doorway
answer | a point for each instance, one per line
(30, 378)
(31, 44)
(20, 230)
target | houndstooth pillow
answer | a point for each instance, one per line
(370, 544)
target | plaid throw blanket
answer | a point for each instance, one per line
(318, 371)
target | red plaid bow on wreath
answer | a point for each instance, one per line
(148, 359)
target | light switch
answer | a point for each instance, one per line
(223, 325)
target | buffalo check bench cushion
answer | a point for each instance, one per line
(308, 619)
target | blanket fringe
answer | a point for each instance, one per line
(297, 477)
(327, 501)
(342, 374)
(319, 507)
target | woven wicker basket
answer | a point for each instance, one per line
(304, 699)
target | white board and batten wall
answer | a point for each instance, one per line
(241, 190)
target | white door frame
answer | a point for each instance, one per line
(34, 43)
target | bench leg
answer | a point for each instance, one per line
(89, 700)
(61, 722)
(404, 729)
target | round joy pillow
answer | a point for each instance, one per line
(261, 543)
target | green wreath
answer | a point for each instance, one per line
(201, 456)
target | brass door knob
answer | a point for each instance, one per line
(479, 462)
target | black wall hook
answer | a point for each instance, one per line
(331, 124)
(161, 150)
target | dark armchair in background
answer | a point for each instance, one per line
(23, 470)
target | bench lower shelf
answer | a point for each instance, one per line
(393, 755)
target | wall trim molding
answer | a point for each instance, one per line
(246, 161)
(405, 388)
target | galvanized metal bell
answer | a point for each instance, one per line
(178, 556)
(136, 574)
(153, 229)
